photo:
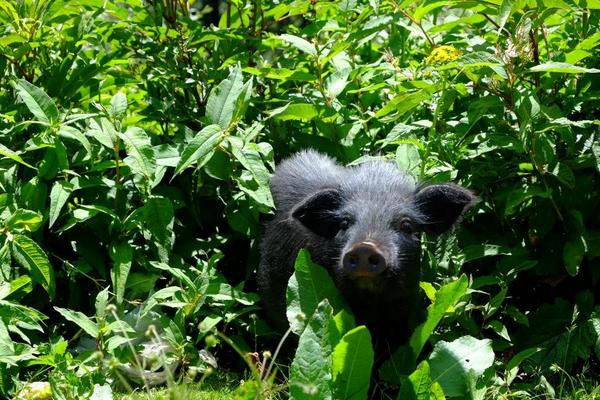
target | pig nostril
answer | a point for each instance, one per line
(374, 261)
(353, 261)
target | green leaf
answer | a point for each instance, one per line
(158, 297)
(159, 219)
(39, 103)
(242, 102)
(403, 103)
(309, 284)
(477, 251)
(223, 100)
(310, 372)
(301, 44)
(68, 132)
(81, 320)
(8, 153)
(521, 356)
(563, 68)
(566, 348)
(104, 132)
(417, 385)
(352, 363)
(61, 190)
(581, 51)
(101, 303)
(343, 322)
(283, 74)
(408, 158)
(506, 9)
(455, 365)
(122, 256)
(573, 253)
(118, 106)
(595, 152)
(338, 79)
(295, 111)
(445, 298)
(427, 7)
(477, 59)
(251, 160)
(522, 194)
(140, 156)
(24, 221)
(32, 257)
(5, 261)
(48, 167)
(201, 147)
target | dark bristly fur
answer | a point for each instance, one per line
(315, 197)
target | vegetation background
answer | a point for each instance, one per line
(136, 143)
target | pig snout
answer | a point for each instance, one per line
(364, 259)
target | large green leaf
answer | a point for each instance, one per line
(8, 153)
(69, 132)
(456, 365)
(301, 44)
(251, 160)
(81, 320)
(445, 298)
(122, 256)
(61, 190)
(408, 158)
(506, 9)
(307, 287)
(201, 147)
(403, 103)
(352, 362)
(562, 68)
(34, 259)
(159, 219)
(101, 303)
(23, 220)
(310, 372)
(224, 100)
(118, 106)
(295, 111)
(404, 358)
(104, 132)
(140, 156)
(39, 103)
(419, 386)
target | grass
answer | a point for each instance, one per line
(220, 386)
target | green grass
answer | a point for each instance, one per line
(220, 386)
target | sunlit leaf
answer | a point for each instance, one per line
(39, 103)
(201, 147)
(31, 256)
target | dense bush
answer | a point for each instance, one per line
(136, 146)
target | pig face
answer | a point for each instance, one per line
(374, 221)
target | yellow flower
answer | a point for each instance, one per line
(442, 55)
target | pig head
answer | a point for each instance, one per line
(363, 224)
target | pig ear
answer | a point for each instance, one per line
(317, 212)
(442, 205)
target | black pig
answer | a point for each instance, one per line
(363, 223)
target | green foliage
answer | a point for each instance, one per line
(307, 287)
(136, 146)
(460, 364)
(333, 359)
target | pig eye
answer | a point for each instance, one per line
(405, 225)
